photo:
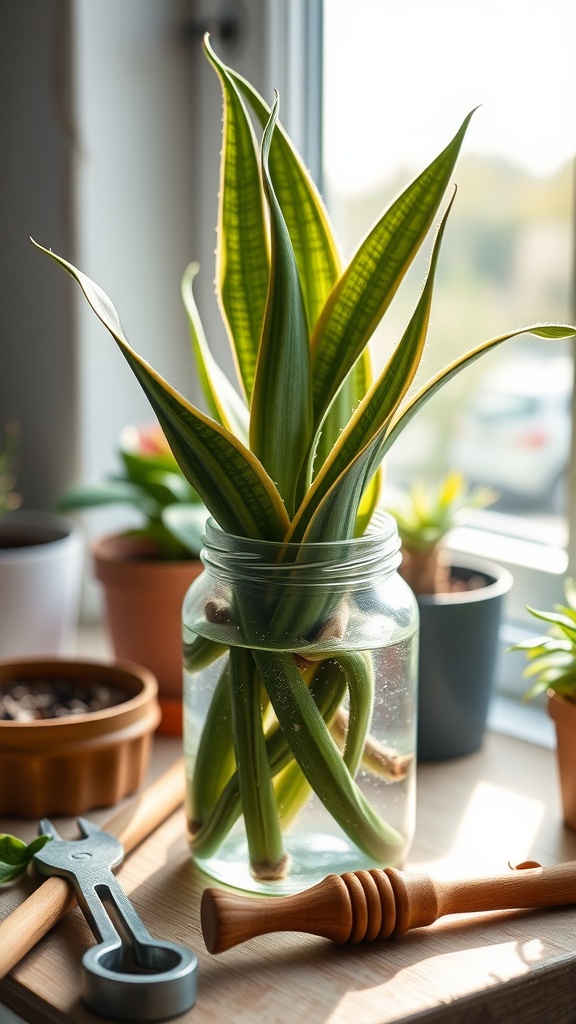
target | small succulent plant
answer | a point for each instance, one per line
(425, 513)
(552, 657)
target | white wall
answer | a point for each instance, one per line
(134, 206)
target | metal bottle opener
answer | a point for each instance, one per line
(128, 975)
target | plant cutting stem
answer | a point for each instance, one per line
(360, 678)
(319, 757)
(303, 730)
(328, 688)
(201, 652)
(267, 857)
(215, 757)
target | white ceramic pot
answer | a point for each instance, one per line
(40, 574)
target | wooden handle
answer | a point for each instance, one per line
(362, 906)
(23, 928)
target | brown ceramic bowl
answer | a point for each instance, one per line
(69, 765)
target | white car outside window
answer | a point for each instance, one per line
(515, 434)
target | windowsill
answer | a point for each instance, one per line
(528, 722)
(475, 816)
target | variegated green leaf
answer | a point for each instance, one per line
(406, 412)
(346, 472)
(242, 253)
(281, 411)
(313, 241)
(369, 283)
(368, 503)
(231, 482)
(353, 390)
(224, 402)
(333, 514)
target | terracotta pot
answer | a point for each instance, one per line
(563, 713)
(71, 764)
(143, 599)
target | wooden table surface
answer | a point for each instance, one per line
(475, 815)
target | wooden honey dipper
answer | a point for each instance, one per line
(363, 906)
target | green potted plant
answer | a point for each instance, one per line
(551, 667)
(40, 567)
(460, 603)
(289, 473)
(146, 570)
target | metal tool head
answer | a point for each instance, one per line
(128, 975)
(95, 853)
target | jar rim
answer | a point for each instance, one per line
(352, 562)
(383, 527)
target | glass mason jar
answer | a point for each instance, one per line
(300, 668)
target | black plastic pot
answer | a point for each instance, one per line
(457, 660)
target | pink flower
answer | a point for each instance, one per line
(145, 440)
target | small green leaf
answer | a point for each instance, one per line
(15, 855)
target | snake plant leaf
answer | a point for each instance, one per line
(242, 252)
(351, 393)
(360, 679)
(366, 288)
(229, 479)
(368, 503)
(224, 403)
(313, 241)
(551, 331)
(334, 513)
(317, 257)
(281, 410)
(345, 473)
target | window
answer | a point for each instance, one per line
(398, 80)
